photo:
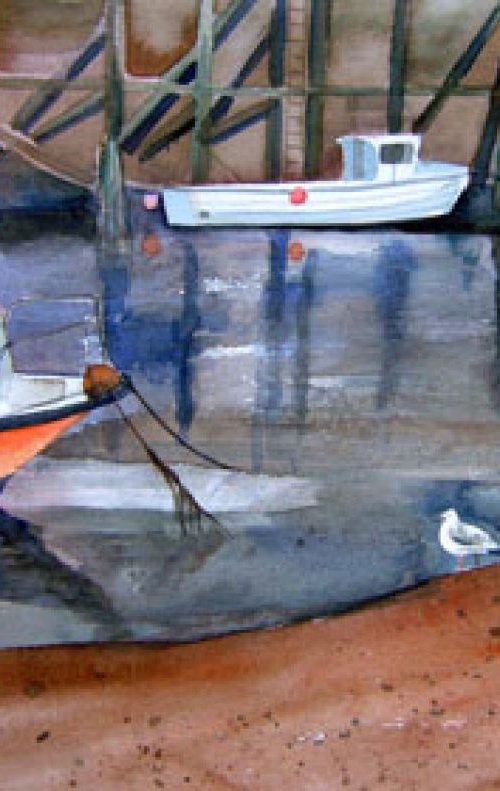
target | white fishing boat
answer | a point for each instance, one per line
(383, 181)
(46, 385)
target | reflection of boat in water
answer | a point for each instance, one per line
(49, 483)
(383, 182)
(39, 397)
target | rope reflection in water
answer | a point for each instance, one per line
(188, 510)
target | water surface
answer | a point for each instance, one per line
(357, 385)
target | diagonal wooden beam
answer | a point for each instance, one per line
(225, 103)
(79, 111)
(240, 121)
(36, 105)
(183, 122)
(459, 69)
(37, 156)
(184, 71)
(397, 66)
(170, 131)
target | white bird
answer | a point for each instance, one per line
(462, 539)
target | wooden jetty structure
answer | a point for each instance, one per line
(279, 81)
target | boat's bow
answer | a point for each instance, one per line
(27, 431)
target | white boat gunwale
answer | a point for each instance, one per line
(284, 187)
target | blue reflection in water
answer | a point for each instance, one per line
(160, 344)
(466, 248)
(364, 538)
(287, 300)
(392, 281)
(274, 315)
(134, 341)
(495, 378)
(304, 302)
(183, 335)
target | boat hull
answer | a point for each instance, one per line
(333, 203)
(20, 444)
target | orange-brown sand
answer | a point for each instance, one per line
(404, 695)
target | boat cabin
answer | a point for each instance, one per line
(379, 157)
(45, 345)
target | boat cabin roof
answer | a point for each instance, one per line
(384, 139)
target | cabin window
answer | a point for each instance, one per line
(396, 154)
(358, 170)
(364, 162)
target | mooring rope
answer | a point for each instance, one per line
(133, 389)
(175, 435)
(184, 501)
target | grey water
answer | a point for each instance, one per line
(357, 385)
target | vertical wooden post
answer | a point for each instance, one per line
(481, 163)
(200, 163)
(397, 66)
(113, 225)
(276, 70)
(496, 188)
(459, 69)
(114, 69)
(319, 35)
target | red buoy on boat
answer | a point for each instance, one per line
(298, 196)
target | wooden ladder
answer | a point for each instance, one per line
(294, 107)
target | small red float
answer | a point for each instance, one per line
(150, 245)
(296, 251)
(298, 196)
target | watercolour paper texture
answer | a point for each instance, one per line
(238, 411)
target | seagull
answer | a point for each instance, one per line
(462, 539)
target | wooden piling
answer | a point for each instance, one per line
(113, 213)
(481, 162)
(200, 162)
(319, 38)
(397, 66)
(276, 71)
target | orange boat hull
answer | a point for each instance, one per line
(19, 445)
